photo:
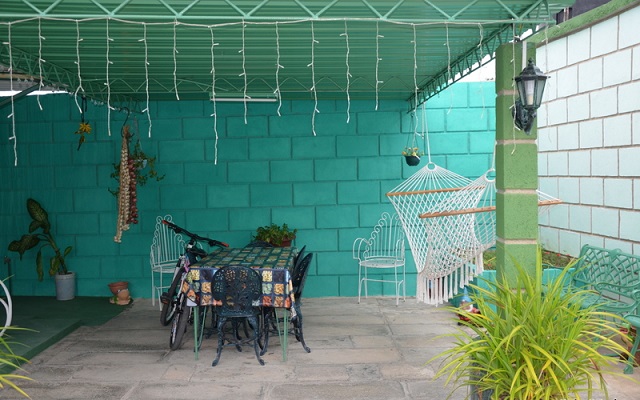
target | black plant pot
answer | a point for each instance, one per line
(412, 160)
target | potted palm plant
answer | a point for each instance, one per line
(524, 345)
(40, 234)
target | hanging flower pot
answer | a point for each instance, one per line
(412, 160)
(412, 155)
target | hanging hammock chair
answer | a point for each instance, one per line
(449, 222)
(447, 239)
(429, 186)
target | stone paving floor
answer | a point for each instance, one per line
(373, 350)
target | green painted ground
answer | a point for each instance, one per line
(47, 320)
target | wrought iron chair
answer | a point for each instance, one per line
(383, 249)
(298, 278)
(238, 289)
(166, 248)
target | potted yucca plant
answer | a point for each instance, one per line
(526, 345)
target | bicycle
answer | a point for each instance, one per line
(175, 303)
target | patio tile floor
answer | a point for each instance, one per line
(372, 350)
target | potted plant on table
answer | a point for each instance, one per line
(40, 233)
(277, 235)
(524, 345)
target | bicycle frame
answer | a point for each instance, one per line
(175, 302)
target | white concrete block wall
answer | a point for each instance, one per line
(589, 136)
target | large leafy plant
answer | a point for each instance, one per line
(40, 233)
(530, 345)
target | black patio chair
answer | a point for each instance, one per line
(237, 288)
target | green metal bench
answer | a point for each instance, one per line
(613, 278)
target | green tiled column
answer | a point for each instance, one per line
(516, 171)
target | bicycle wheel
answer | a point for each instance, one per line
(169, 301)
(179, 324)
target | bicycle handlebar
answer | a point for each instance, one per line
(193, 236)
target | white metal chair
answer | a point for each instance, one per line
(383, 249)
(166, 248)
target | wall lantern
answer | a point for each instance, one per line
(530, 84)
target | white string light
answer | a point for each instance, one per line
(13, 110)
(244, 74)
(146, 73)
(348, 70)
(175, 61)
(40, 60)
(446, 29)
(415, 69)
(513, 91)
(213, 98)
(109, 62)
(346, 38)
(378, 59)
(313, 79)
(78, 40)
(481, 86)
(278, 66)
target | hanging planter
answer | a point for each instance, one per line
(412, 155)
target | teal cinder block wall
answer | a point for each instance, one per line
(331, 186)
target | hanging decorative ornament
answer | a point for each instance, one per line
(123, 193)
(85, 127)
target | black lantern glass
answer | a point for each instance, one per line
(530, 84)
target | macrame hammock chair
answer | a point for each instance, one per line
(449, 221)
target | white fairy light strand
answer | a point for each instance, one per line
(13, 110)
(481, 86)
(513, 89)
(313, 79)
(146, 74)
(415, 71)
(446, 29)
(109, 62)
(175, 60)
(213, 98)
(278, 67)
(244, 74)
(378, 59)
(346, 38)
(78, 40)
(40, 39)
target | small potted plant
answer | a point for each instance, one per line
(277, 235)
(412, 155)
(40, 232)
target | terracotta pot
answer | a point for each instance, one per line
(115, 287)
(123, 296)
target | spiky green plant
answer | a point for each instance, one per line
(531, 346)
(40, 220)
(9, 361)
